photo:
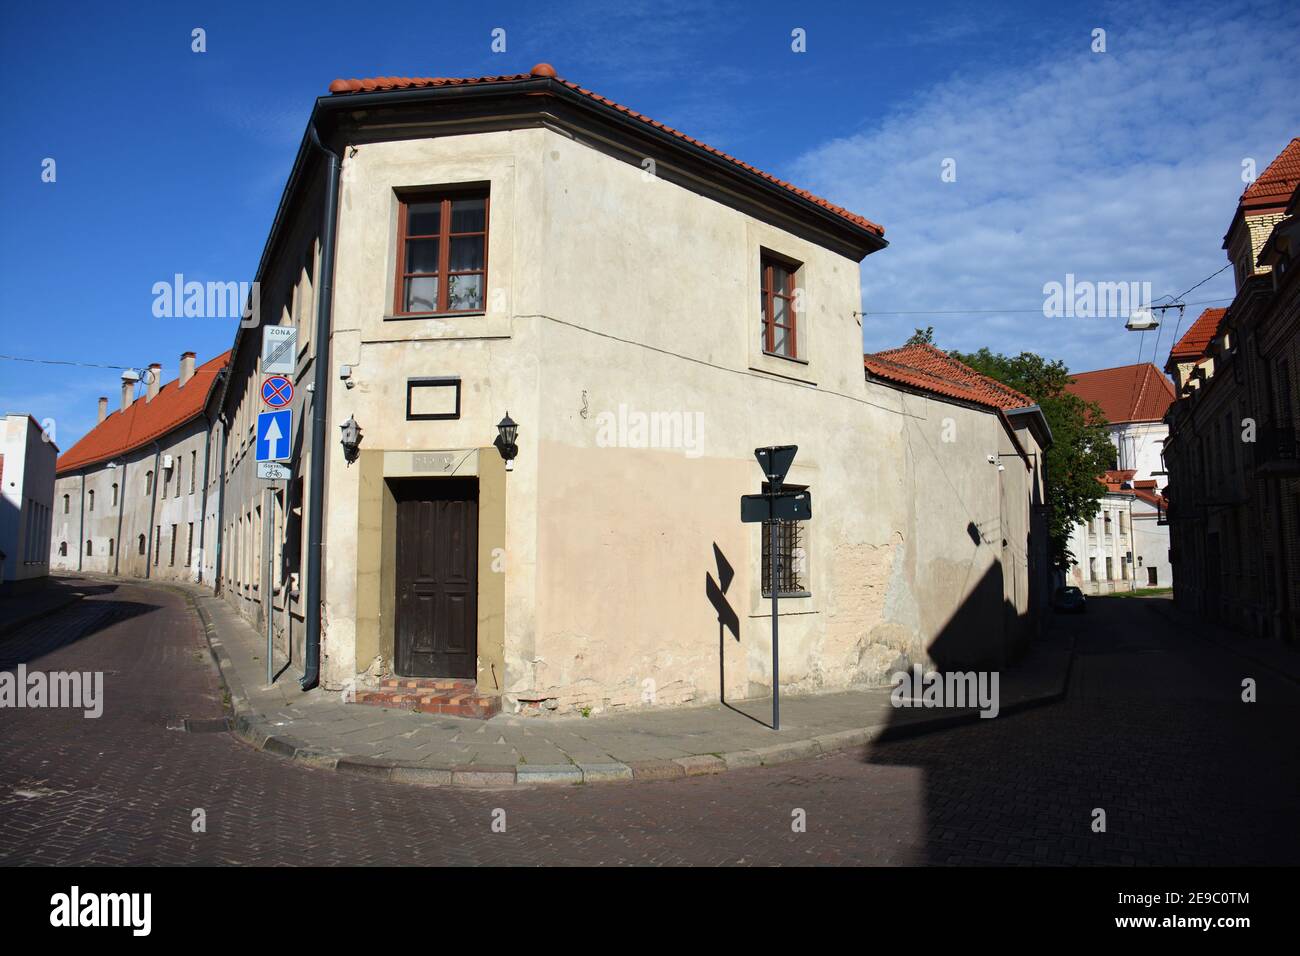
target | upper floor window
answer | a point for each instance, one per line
(91, 498)
(66, 502)
(780, 323)
(148, 482)
(442, 253)
(115, 494)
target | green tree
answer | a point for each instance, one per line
(1080, 450)
(923, 336)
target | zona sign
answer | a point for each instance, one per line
(277, 392)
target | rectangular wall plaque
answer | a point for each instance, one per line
(430, 399)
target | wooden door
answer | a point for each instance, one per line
(437, 578)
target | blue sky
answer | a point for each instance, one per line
(1122, 166)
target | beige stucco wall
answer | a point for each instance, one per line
(610, 294)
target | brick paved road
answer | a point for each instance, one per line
(1153, 732)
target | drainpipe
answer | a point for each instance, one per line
(81, 527)
(153, 505)
(121, 503)
(319, 412)
(207, 460)
(221, 508)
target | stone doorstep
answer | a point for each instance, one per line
(451, 698)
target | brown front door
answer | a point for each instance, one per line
(437, 578)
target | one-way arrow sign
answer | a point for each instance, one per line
(274, 431)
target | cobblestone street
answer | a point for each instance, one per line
(1153, 732)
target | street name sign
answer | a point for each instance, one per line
(783, 506)
(274, 435)
(279, 349)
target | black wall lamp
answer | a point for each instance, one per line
(351, 440)
(507, 431)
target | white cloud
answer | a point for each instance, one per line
(1122, 166)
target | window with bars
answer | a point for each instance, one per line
(780, 323)
(792, 571)
(442, 252)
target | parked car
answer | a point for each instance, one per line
(1069, 601)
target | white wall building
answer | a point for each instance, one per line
(26, 501)
(1110, 557)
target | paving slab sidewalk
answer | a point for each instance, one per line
(318, 728)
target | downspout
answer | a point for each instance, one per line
(207, 462)
(153, 504)
(81, 528)
(221, 509)
(319, 411)
(121, 504)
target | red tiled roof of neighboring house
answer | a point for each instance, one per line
(1113, 478)
(1198, 338)
(1129, 393)
(1276, 184)
(925, 367)
(123, 431)
(1143, 490)
(381, 84)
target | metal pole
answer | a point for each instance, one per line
(776, 587)
(268, 569)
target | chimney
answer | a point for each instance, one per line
(103, 407)
(129, 378)
(155, 379)
(187, 369)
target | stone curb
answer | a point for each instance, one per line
(246, 726)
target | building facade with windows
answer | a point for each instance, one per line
(1234, 492)
(1126, 545)
(136, 495)
(26, 502)
(649, 311)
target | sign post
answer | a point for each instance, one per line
(774, 506)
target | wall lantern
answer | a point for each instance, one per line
(507, 431)
(351, 439)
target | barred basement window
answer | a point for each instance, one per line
(793, 560)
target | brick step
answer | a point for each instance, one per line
(429, 683)
(453, 702)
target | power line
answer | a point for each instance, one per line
(22, 358)
(1037, 311)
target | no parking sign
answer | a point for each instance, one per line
(277, 392)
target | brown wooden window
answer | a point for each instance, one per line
(442, 253)
(780, 336)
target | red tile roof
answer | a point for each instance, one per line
(1130, 393)
(1198, 338)
(1143, 490)
(544, 70)
(1276, 184)
(927, 368)
(144, 421)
